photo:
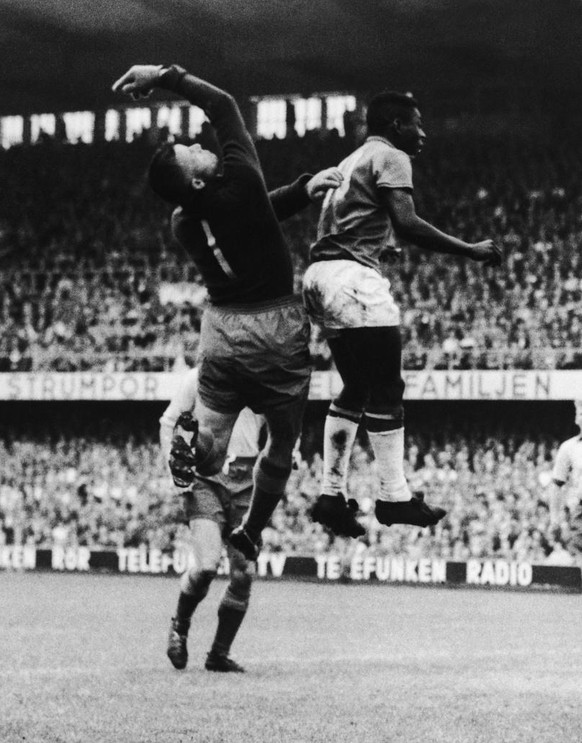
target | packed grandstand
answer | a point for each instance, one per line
(72, 480)
(85, 258)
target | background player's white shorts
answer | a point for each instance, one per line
(344, 294)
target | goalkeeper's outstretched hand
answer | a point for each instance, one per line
(138, 81)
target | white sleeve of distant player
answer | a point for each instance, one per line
(183, 399)
(562, 465)
(392, 168)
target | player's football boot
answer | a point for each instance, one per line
(242, 541)
(219, 662)
(177, 650)
(333, 512)
(415, 512)
(182, 461)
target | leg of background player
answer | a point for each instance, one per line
(207, 542)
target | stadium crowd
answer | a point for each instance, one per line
(109, 488)
(91, 278)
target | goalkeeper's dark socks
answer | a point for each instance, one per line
(261, 509)
(186, 606)
(270, 480)
(229, 622)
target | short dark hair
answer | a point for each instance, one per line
(385, 107)
(166, 177)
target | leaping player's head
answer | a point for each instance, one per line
(396, 117)
(176, 170)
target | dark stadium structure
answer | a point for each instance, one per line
(63, 55)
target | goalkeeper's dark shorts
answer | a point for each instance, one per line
(254, 356)
(223, 498)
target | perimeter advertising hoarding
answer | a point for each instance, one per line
(420, 385)
(363, 568)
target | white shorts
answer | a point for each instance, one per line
(344, 294)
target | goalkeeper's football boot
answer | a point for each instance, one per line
(177, 650)
(242, 541)
(333, 512)
(414, 512)
(222, 663)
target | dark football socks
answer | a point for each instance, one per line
(229, 621)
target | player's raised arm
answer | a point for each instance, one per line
(218, 105)
(291, 199)
(141, 80)
(409, 226)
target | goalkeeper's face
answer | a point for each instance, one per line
(197, 164)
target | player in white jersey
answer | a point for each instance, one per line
(568, 470)
(214, 506)
(347, 294)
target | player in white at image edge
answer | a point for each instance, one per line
(568, 471)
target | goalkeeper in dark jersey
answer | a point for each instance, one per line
(254, 337)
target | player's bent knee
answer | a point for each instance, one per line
(271, 475)
(210, 453)
(240, 583)
(197, 582)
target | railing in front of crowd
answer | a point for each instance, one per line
(140, 360)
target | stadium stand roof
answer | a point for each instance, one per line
(64, 54)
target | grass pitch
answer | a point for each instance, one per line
(82, 659)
